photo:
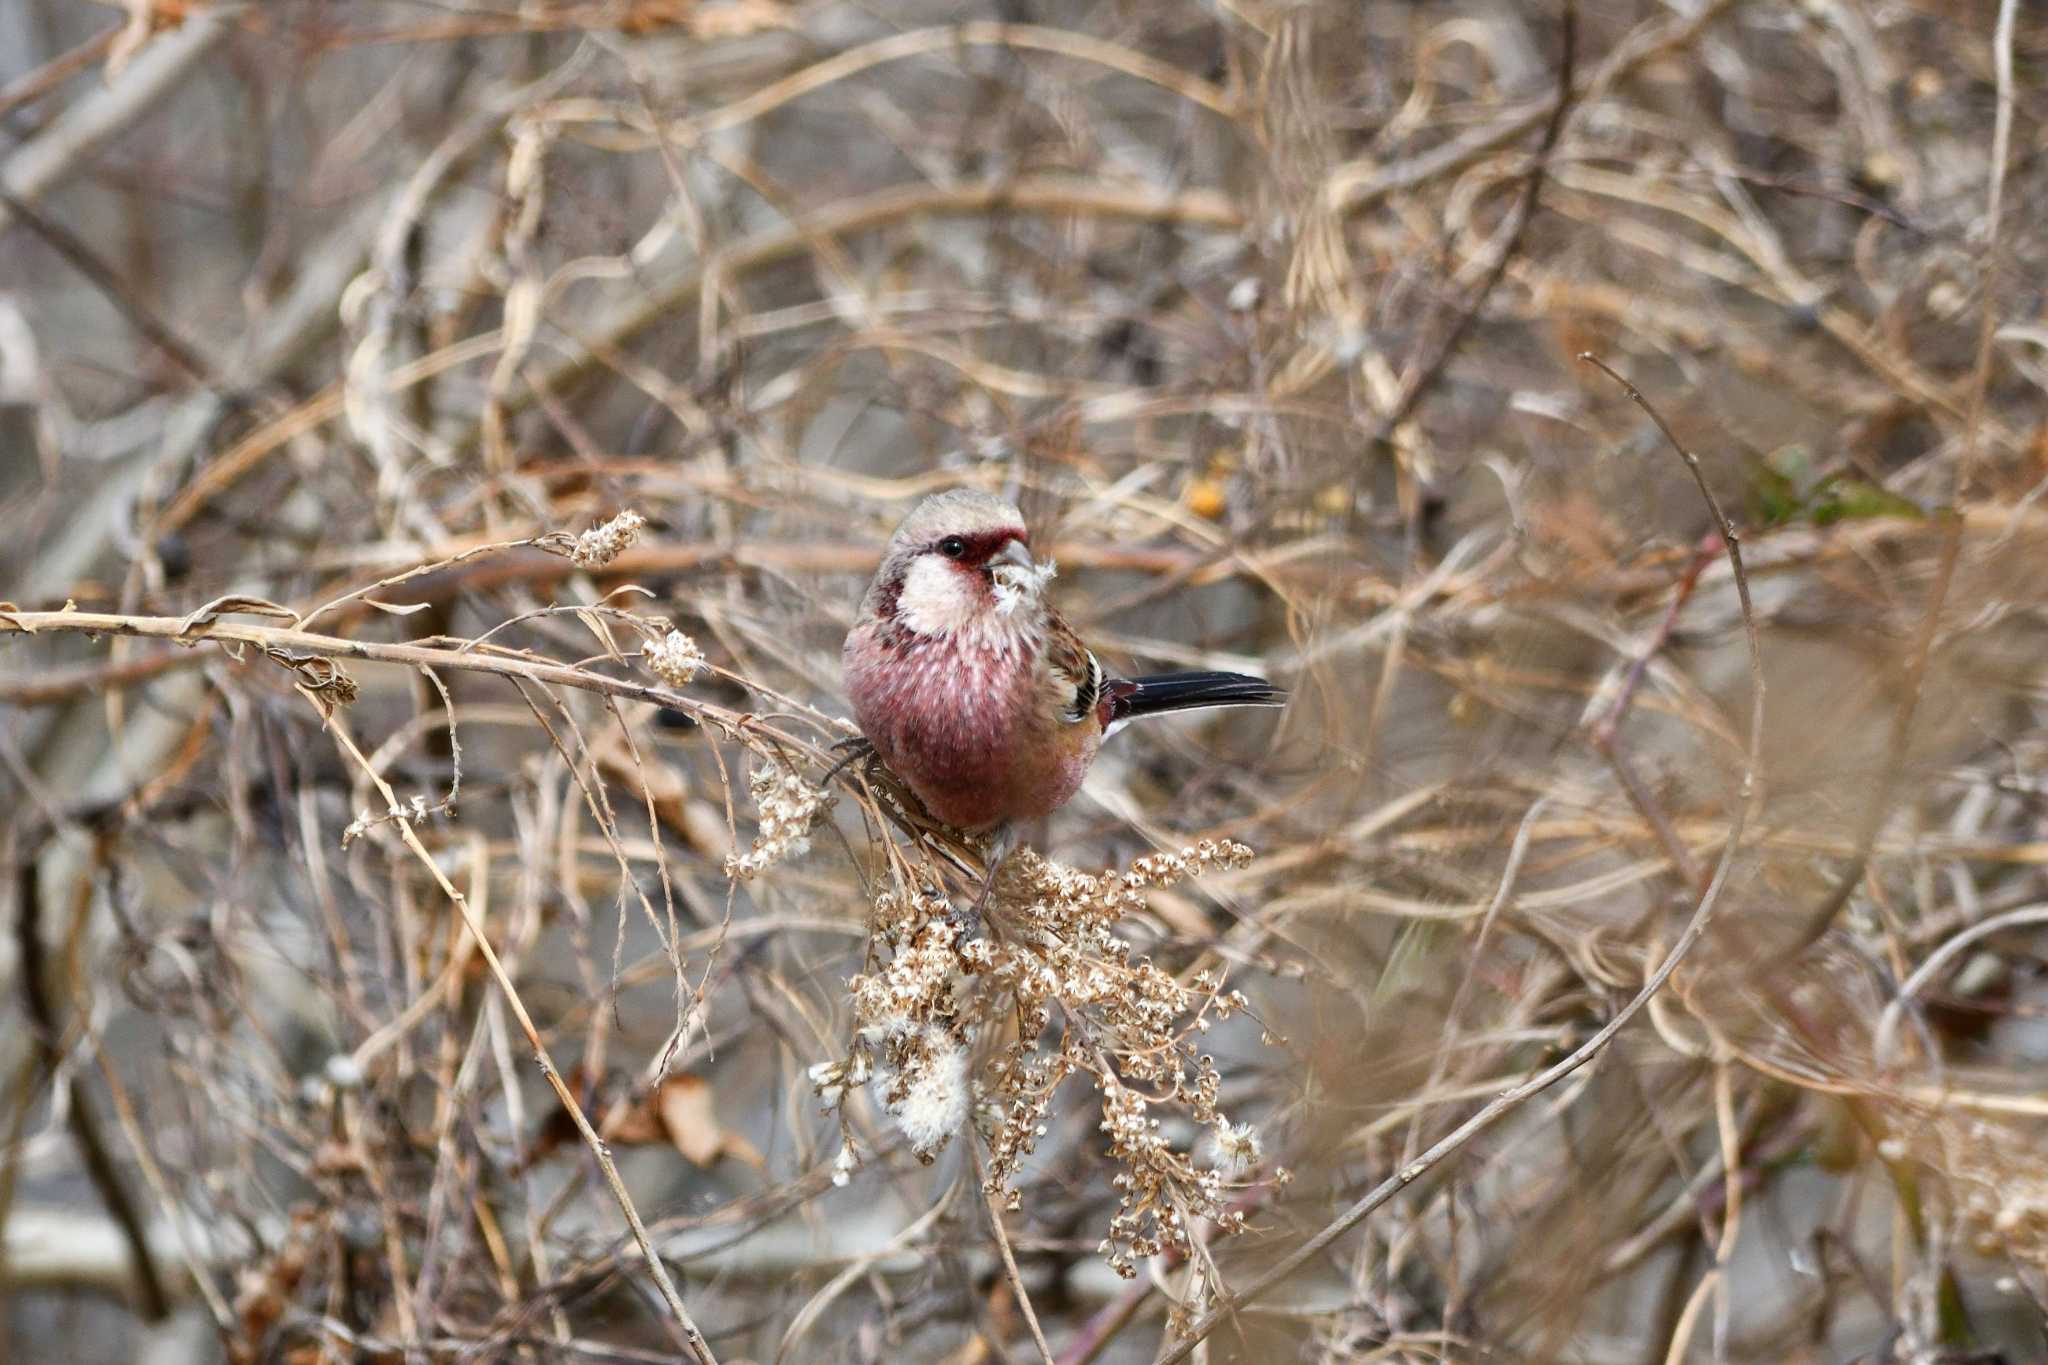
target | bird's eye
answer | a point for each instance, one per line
(952, 547)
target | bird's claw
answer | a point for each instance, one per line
(967, 923)
(853, 749)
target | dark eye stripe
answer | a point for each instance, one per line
(979, 546)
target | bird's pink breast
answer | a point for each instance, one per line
(964, 724)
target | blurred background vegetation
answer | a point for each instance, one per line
(1268, 314)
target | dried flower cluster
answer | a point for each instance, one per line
(674, 658)
(921, 1081)
(789, 807)
(911, 1044)
(600, 545)
(1995, 1182)
(415, 811)
(1052, 970)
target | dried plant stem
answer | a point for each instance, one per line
(858, 1267)
(38, 977)
(1695, 927)
(1163, 276)
(1020, 194)
(159, 69)
(190, 1245)
(1609, 724)
(32, 86)
(1879, 803)
(1681, 1334)
(47, 687)
(1518, 849)
(1356, 185)
(1730, 1135)
(293, 647)
(1645, 801)
(693, 1338)
(1885, 1039)
(1102, 1328)
(1479, 1122)
(107, 281)
(1009, 1255)
(2001, 153)
(1424, 373)
(1020, 37)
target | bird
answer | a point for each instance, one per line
(974, 691)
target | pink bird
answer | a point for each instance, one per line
(971, 687)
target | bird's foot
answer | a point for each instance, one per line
(997, 850)
(853, 749)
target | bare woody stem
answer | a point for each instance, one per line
(293, 648)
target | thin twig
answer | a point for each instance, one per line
(1423, 373)
(1987, 327)
(107, 281)
(37, 981)
(293, 647)
(1884, 1041)
(33, 85)
(1879, 801)
(159, 70)
(995, 1222)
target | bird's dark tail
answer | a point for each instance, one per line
(1130, 698)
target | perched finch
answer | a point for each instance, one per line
(971, 687)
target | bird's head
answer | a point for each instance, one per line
(961, 561)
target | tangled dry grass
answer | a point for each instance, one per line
(440, 451)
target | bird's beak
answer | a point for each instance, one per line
(1013, 552)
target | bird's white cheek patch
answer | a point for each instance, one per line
(937, 599)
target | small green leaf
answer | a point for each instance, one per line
(1846, 499)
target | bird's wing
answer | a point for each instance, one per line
(1075, 673)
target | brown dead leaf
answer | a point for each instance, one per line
(679, 1112)
(684, 1103)
(685, 1106)
(632, 1125)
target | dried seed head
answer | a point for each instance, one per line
(600, 545)
(674, 659)
(921, 1081)
(1237, 1147)
(1130, 1026)
(789, 807)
